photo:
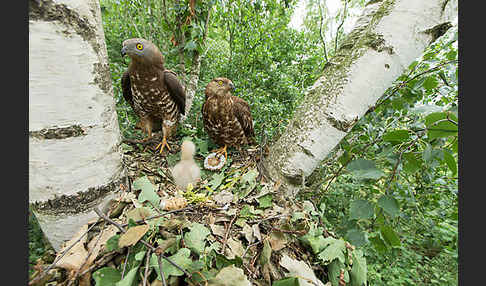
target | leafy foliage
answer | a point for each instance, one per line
(389, 188)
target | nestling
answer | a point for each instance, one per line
(186, 171)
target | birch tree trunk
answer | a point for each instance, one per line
(386, 39)
(74, 161)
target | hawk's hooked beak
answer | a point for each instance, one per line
(124, 51)
(232, 86)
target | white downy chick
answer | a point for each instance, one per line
(186, 171)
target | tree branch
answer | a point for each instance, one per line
(320, 33)
(340, 25)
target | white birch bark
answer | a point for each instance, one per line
(74, 161)
(386, 39)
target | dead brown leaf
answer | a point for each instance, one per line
(277, 240)
(133, 235)
(138, 214)
(76, 256)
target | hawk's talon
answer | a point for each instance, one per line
(162, 145)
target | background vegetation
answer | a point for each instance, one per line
(389, 188)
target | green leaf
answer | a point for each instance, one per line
(450, 161)
(427, 153)
(364, 169)
(430, 82)
(317, 243)
(129, 278)
(361, 209)
(249, 177)
(411, 164)
(334, 250)
(112, 243)
(181, 258)
(190, 46)
(296, 216)
(223, 261)
(357, 237)
(249, 211)
(359, 270)
(378, 244)
(389, 204)
(266, 253)
(334, 269)
(390, 236)
(139, 256)
(289, 281)
(438, 126)
(217, 179)
(148, 191)
(265, 201)
(106, 276)
(230, 275)
(396, 136)
(195, 238)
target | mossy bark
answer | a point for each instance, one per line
(386, 39)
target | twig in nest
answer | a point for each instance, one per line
(107, 257)
(40, 276)
(151, 247)
(87, 257)
(159, 259)
(145, 276)
(299, 232)
(227, 232)
(267, 218)
(125, 263)
(248, 247)
(157, 216)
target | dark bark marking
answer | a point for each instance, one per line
(78, 203)
(58, 133)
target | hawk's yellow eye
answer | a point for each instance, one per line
(139, 46)
(220, 82)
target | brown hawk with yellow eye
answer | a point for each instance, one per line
(155, 93)
(227, 118)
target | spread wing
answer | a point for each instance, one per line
(176, 90)
(241, 110)
(126, 89)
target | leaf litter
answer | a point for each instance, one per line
(224, 230)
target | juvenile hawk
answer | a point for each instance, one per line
(227, 118)
(155, 94)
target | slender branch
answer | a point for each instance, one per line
(109, 256)
(395, 168)
(340, 25)
(320, 33)
(125, 264)
(169, 24)
(227, 232)
(87, 257)
(349, 160)
(159, 259)
(146, 267)
(403, 83)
